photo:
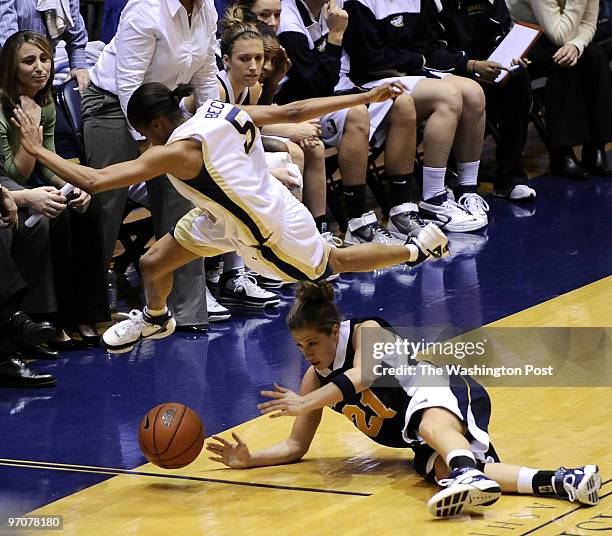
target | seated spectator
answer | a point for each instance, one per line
(50, 19)
(476, 28)
(16, 265)
(578, 90)
(374, 49)
(26, 75)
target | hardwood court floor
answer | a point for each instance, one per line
(349, 485)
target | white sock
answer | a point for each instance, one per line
(433, 181)
(155, 312)
(524, 483)
(468, 173)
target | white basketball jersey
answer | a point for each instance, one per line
(235, 181)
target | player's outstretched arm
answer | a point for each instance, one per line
(182, 159)
(238, 456)
(299, 111)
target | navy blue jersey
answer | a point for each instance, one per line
(379, 412)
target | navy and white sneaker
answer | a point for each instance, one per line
(236, 287)
(123, 336)
(430, 242)
(405, 221)
(366, 229)
(216, 311)
(581, 484)
(465, 487)
(449, 215)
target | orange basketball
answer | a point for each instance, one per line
(171, 435)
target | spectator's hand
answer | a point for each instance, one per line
(523, 62)
(30, 131)
(284, 175)
(566, 56)
(47, 201)
(29, 106)
(385, 92)
(8, 209)
(487, 70)
(80, 200)
(81, 76)
(306, 130)
(337, 21)
(282, 64)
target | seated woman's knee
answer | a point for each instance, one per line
(358, 118)
(403, 106)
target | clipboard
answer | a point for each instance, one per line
(517, 42)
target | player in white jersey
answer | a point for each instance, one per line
(216, 160)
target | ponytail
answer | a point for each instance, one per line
(152, 100)
(313, 307)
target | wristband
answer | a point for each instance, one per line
(342, 382)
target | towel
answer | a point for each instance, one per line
(56, 14)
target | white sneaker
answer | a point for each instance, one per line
(122, 337)
(476, 206)
(518, 192)
(405, 221)
(450, 216)
(332, 240)
(366, 229)
(465, 486)
(216, 311)
(213, 276)
(242, 289)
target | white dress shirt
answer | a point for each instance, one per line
(154, 43)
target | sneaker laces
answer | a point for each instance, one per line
(132, 325)
(568, 485)
(473, 203)
(249, 283)
(332, 240)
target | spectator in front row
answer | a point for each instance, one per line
(477, 28)
(26, 75)
(19, 268)
(578, 90)
(50, 19)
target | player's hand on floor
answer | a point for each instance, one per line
(285, 402)
(234, 455)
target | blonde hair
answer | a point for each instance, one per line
(237, 24)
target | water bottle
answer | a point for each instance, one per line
(111, 290)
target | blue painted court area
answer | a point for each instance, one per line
(529, 254)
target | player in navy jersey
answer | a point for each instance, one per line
(446, 425)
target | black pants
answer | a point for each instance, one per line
(578, 100)
(508, 108)
(78, 267)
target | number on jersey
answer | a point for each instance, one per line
(369, 426)
(245, 127)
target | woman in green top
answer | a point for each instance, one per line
(26, 77)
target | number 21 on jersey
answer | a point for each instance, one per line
(243, 124)
(369, 426)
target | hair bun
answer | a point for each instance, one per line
(237, 14)
(311, 292)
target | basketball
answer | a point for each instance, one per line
(171, 435)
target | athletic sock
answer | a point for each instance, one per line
(461, 459)
(355, 200)
(403, 188)
(322, 223)
(155, 312)
(433, 182)
(536, 482)
(467, 177)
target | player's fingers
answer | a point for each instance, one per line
(280, 388)
(221, 440)
(237, 438)
(275, 415)
(272, 394)
(218, 460)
